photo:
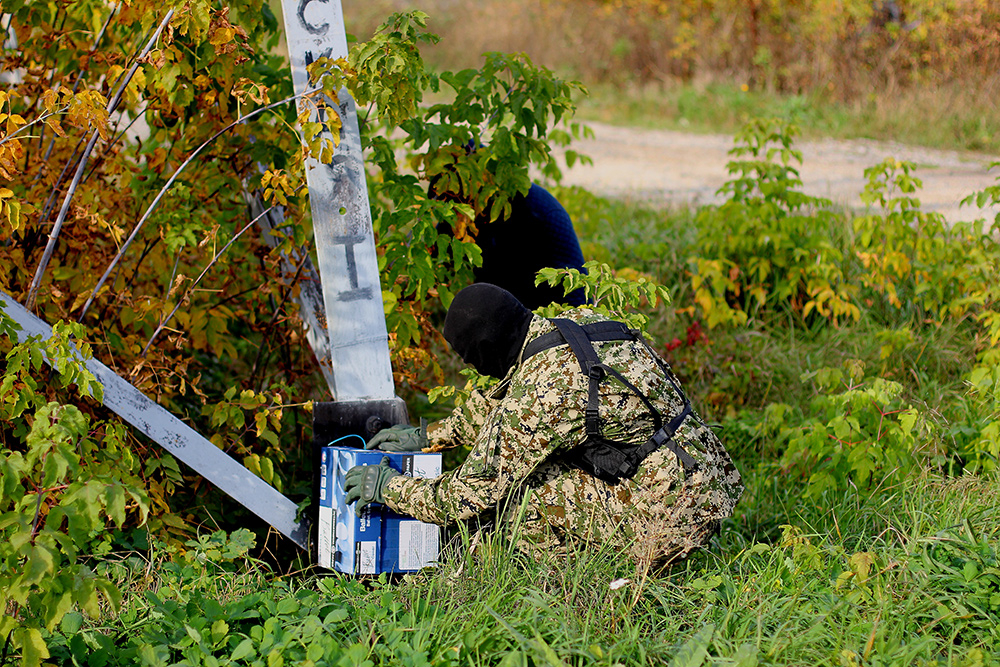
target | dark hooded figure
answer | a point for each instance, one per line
(486, 326)
(587, 439)
(537, 234)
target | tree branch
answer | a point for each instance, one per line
(197, 280)
(163, 191)
(57, 227)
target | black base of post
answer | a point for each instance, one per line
(336, 419)
(364, 418)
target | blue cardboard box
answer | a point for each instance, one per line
(379, 540)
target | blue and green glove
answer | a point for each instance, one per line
(364, 484)
(400, 438)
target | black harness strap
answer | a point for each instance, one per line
(579, 342)
(598, 332)
(657, 418)
(607, 459)
(664, 437)
(590, 365)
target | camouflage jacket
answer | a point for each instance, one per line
(523, 433)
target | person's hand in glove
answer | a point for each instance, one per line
(400, 438)
(364, 484)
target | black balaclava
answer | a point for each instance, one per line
(487, 326)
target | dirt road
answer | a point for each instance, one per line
(667, 168)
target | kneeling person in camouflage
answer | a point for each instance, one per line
(588, 438)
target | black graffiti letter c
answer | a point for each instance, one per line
(310, 28)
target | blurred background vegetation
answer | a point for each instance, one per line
(920, 71)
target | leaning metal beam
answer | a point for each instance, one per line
(179, 439)
(298, 267)
(338, 198)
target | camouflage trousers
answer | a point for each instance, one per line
(657, 518)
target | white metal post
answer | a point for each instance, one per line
(338, 197)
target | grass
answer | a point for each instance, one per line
(905, 571)
(755, 586)
(948, 117)
(906, 575)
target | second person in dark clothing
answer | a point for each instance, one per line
(537, 234)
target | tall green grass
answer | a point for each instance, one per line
(905, 575)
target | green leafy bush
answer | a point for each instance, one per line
(984, 386)
(439, 173)
(63, 480)
(620, 295)
(768, 247)
(916, 261)
(771, 248)
(860, 432)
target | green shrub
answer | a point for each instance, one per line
(63, 480)
(913, 261)
(859, 432)
(770, 249)
(769, 246)
(984, 386)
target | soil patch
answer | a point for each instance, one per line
(668, 168)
